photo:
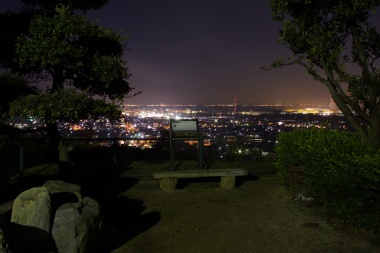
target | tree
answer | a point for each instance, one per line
(53, 5)
(336, 44)
(76, 58)
(11, 88)
(15, 24)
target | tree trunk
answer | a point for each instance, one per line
(366, 127)
(374, 132)
(64, 148)
(55, 137)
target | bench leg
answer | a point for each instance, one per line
(227, 182)
(168, 184)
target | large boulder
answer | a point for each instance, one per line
(31, 219)
(4, 242)
(33, 208)
(62, 193)
(77, 227)
(59, 187)
(54, 218)
(19, 238)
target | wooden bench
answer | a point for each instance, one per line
(168, 179)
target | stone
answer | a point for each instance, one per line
(19, 238)
(62, 193)
(31, 220)
(58, 186)
(77, 227)
(33, 208)
(227, 182)
(4, 242)
(168, 184)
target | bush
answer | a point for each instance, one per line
(340, 171)
(289, 152)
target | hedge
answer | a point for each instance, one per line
(341, 172)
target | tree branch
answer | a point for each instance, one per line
(366, 90)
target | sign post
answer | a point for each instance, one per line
(186, 129)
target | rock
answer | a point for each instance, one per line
(33, 208)
(58, 186)
(227, 182)
(30, 226)
(77, 226)
(4, 243)
(168, 184)
(18, 238)
(62, 193)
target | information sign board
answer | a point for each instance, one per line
(184, 128)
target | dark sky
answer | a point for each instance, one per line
(204, 52)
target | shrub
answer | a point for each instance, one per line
(340, 171)
(289, 152)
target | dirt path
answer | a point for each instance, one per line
(259, 216)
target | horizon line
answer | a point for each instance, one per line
(221, 104)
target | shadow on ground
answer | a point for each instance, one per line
(184, 182)
(123, 219)
(122, 216)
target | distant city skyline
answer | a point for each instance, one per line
(204, 52)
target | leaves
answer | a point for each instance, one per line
(72, 49)
(12, 87)
(65, 104)
(50, 5)
(335, 43)
(340, 171)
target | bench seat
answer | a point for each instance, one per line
(168, 179)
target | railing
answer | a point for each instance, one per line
(160, 154)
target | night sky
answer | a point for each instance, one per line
(204, 52)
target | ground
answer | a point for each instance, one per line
(260, 215)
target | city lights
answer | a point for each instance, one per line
(141, 125)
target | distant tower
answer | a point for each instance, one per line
(234, 104)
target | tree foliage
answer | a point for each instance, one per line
(339, 170)
(52, 5)
(15, 87)
(81, 63)
(15, 24)
(65, 50)
(338, 46)
(63, 104)
(72, 51)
